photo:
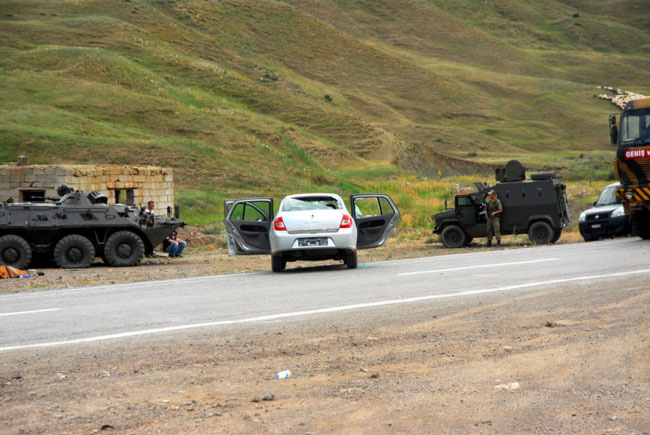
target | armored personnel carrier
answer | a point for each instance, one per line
(537, 206)
(78, 227)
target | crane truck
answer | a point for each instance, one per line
(632, 165)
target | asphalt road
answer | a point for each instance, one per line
(114, 312)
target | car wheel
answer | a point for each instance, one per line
(278, 263)
(453, 236)
(351, 259)
(74, 251)
(588, 238)
(15, 251)
(124, 248)
(540, 233)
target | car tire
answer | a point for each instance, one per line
(278, 263)
(589, 238)
(453, 236)
(15, 251)
(124, 248)
(540, 233)
(351, 259)
(74, 251)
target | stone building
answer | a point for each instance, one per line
(132, 185)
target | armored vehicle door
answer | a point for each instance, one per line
(376, 216)
(248, 222)
(466, 210)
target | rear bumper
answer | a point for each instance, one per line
(344, 239)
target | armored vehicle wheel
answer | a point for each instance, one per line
(15, 251)
(351, 259)
(124, 248)
(453, 236)
(540, 233)
(74, 251)
(278, 263)
(556, 235)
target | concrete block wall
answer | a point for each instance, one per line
(148, 182)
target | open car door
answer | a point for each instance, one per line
(376, 216)
(248, 222)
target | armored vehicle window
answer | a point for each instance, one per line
(464, 200)
(32, 195)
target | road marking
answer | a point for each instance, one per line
(323, 310)
(121, 286)
(482, 266)
(29, 312)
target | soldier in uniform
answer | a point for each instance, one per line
(494, 209)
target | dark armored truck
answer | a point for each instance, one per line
(537, 206)
(78, 227)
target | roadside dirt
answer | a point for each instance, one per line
(207, 254)
(571, 359)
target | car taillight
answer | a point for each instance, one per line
(278, 224)
(346, 222)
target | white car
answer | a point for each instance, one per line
(311, 226)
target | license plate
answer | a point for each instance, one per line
(320, 241)
(596, 226)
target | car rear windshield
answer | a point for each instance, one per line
(311, 203)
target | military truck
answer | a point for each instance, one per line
(632, 164)
(78, 227)
(537, 206)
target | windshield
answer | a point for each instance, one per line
(311, 203)
(608, 197)
(635, 126)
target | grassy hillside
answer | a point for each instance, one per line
(271, 97)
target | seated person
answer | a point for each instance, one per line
(173, 245)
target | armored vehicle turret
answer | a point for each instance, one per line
(78, 227)
(538, 206)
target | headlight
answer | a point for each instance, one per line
(618, 212)
(583, 217)
(629, 195)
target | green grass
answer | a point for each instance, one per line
(232, 94)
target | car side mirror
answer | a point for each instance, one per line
(595, 202)
(613, 130)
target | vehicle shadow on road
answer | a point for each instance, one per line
(301, 268)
